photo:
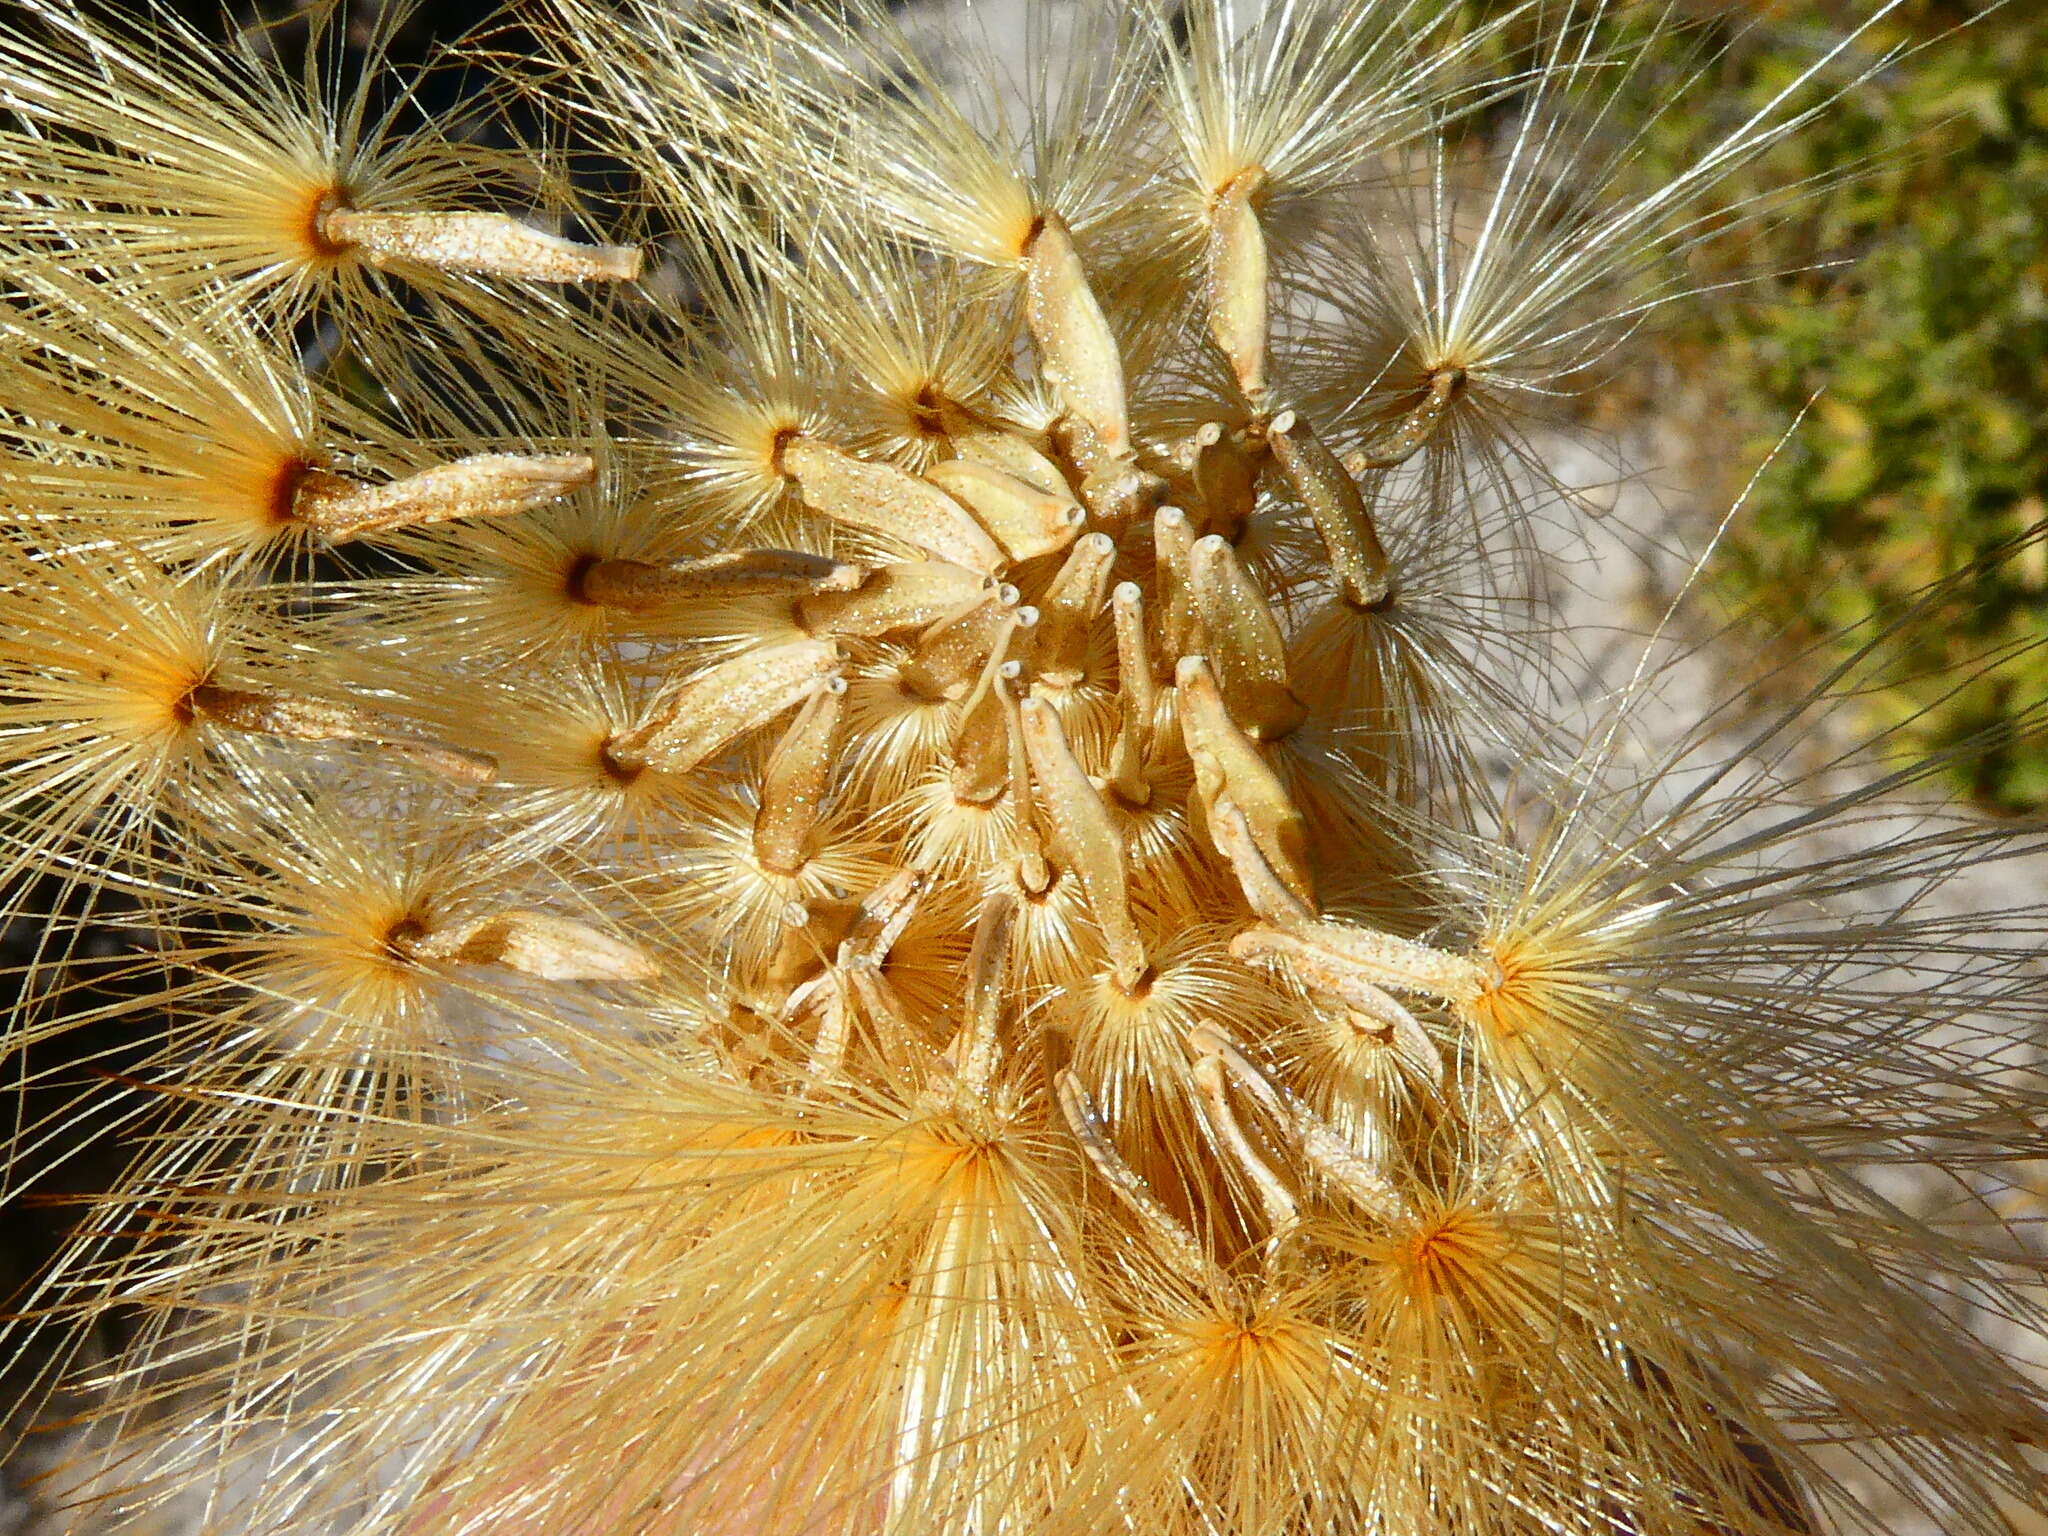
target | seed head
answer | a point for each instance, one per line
(882, 909)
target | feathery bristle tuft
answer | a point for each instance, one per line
(844, 870)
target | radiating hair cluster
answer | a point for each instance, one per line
(838, 864)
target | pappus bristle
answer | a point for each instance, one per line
(1276, 114)
(199, 163)
(584, 571)
(350, 970)
(552, 735)
(198, 442)
(105, 658)
(954, 175)
(1505, 285)
(887, 906)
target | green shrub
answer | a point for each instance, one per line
(1912, 314)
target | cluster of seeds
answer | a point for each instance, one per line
(834, 870)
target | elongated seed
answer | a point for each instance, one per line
(795, 778)
(1246, 777)
(272, 712)
(908, 595)
(976, 1048)
(1026, 520)
(481, 485)
(1357, 558)
(1084, 837)
(1007, 452)
(1371, 1008)
(1137, 696)
(1237, 280)
(981, 746)
(490, 244)
(824, 1000)
(1173, 545)
(1416, 429)
(1066, 615)
(884, 913)
(878, 996)
(1176, 1244)
(1224, 469)
(719, 705)
(539, 944)
(1118, 493)
(1075, 347)
(1338, 954)
(1243, 642)
(1264, 891)
(951, 653)
(893, 502)
(639, 584)
(1135, 682)
(1283, 1212)
(813, 931)
(1322, 1145)
(1127, 779)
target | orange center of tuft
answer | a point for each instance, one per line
(1444, 1255)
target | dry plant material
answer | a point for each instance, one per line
(885, 907)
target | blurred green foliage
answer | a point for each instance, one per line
(1910, 309)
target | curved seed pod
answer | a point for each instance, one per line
(638, 584)
(1173, 549)
(1075, 346)
(1246, 777)
(1175, 1242)
(1331, 957)
(907, 595)
(270, 712)
(893, 502)
(1084, 837)
(1322, 1144)
(481, 485)
(795, 779)
(976, 1047)
(1027, 520)
(1357, 557)
(538, 944)
(1243, 642)
(1066, 614)
(951, 653)
(1237, 280)
(719, 705)
(490, 244)
(1005, 451)
(1416, 429)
